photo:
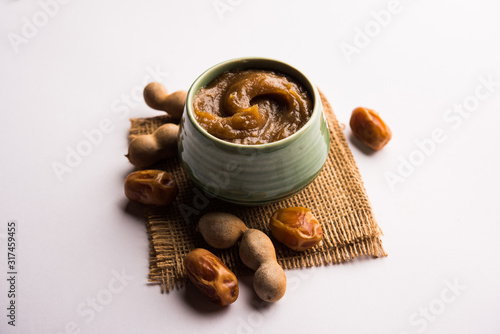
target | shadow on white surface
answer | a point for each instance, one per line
(355, 142)
(134, 209)
(199, 302)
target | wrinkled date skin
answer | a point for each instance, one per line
(211, 276)
(152, 187)
(296, 228)
(369, 128)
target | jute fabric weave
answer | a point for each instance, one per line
(337, 198)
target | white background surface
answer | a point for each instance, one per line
(84, 64)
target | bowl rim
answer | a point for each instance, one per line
(219, 68)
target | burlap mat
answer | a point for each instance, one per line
(337, 198)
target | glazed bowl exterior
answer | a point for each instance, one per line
(253, 174)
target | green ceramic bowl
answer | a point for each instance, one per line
(253, 174)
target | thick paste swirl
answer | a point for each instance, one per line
(252, 106)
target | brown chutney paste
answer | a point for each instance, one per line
(252, 106)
